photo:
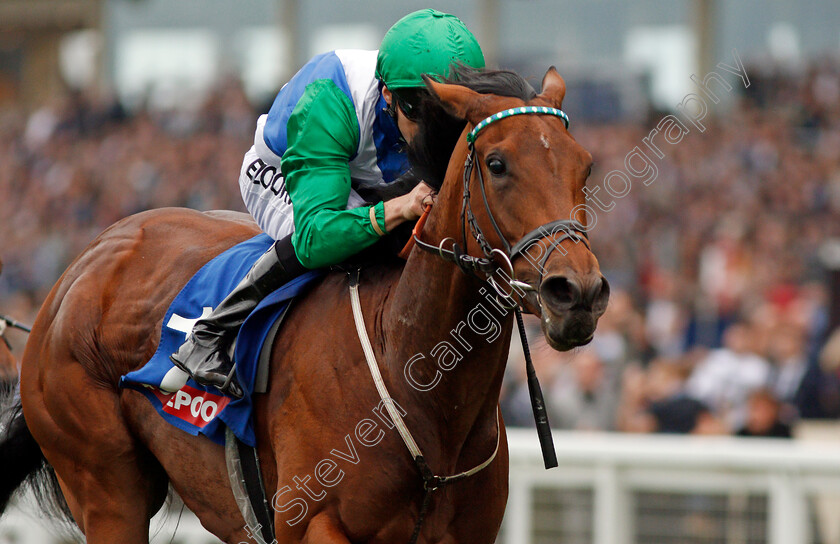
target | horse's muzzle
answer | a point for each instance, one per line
(571, 306)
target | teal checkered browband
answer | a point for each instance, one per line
(516, 111)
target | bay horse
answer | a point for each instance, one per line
(114, 457)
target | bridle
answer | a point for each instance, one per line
(489, 265)
(473, 265)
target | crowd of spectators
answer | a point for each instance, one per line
(70, 169)
(8, 367)
(718, 320)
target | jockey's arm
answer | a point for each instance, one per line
(323, 135)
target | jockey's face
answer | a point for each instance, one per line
(408, 128)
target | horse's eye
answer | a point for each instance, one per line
(496, 166)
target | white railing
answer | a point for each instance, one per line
(612, 488)
(791, 480)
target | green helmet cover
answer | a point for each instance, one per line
(425, 42)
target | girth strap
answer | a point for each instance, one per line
(246, 483)
(431, 482)
(250, 463)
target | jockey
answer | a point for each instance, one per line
(340, 124)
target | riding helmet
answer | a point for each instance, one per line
(425, 42)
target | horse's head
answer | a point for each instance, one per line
(524, 187)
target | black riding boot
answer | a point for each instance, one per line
(204, 356)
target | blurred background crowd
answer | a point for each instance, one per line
(719, 318)
(719, 321)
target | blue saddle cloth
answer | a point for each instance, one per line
(194, 408)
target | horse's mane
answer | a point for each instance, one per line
(438, 131)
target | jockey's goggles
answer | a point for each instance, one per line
(409, 100)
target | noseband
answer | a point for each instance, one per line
(488, 264)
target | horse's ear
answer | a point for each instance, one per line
(457, 100)
(553, 87)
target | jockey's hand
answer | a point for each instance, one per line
(408, 207)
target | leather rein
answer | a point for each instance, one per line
(9, 322)
(12, 323)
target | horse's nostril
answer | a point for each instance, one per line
(598, 295)
(560, 292)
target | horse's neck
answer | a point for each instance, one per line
(454, 341)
